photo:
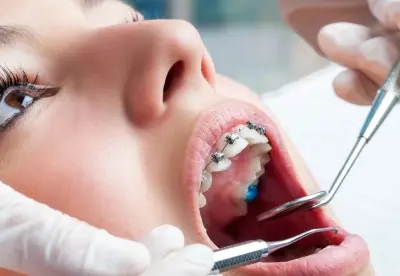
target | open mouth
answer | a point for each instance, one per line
(239, 168)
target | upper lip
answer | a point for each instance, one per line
(210, 126)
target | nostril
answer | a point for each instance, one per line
(174, 74)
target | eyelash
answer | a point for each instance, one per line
(20, 82)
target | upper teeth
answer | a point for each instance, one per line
(251, 135)
(251, 125)
(230, 145)
(217, 157)
(261, 130)
(259, 149)
(206, 179)
(218, 162)
(202, 200)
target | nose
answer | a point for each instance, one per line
(150, 62)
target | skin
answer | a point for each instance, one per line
(93, 150)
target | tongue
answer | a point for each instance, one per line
(225, 199)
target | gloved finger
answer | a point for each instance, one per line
(354, 46)
(372, 56)
(386, 11)
(193, 260)
(37, 240)
(377, 56)
(354, 87)
(340, 42)
(162, 241)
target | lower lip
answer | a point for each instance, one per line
(212, 125)
(346, 259)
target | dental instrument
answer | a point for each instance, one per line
(250, 252)
(386, 98)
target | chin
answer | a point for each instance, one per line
(222, 216)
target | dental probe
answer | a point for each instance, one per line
(250, 252)
(386, 98)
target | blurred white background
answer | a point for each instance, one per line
(247, 39)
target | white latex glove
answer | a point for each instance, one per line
(37, 240)
(368, 54)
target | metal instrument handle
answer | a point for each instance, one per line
(239, 255)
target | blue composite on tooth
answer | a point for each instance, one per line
(251, 193)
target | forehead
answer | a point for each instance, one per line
(48, 16)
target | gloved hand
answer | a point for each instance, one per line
(36, 240)
(367, 53)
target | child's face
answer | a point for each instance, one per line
(126, 119)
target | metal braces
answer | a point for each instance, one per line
(231, 139)
(251, 125)
(261, 130)
(217, 157)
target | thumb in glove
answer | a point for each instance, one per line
(37, 240)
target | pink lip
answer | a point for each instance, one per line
(344, 259)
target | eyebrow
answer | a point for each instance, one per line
(11, 35)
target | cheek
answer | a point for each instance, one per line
(91, 179)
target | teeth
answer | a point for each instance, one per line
(206, 180)
(251, 125)
(250, 178)
(255, 165)
(218, 163)
(261, 130)
(251, 135)
(264, 160)
(256, 169)
(246, 192)
(240, 193)
(202, 200)
(231, 144)
(260, 173)
(259, 149)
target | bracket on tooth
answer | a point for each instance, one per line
(261, 130)
(217, 157)
(251, 125)
(231, 138)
